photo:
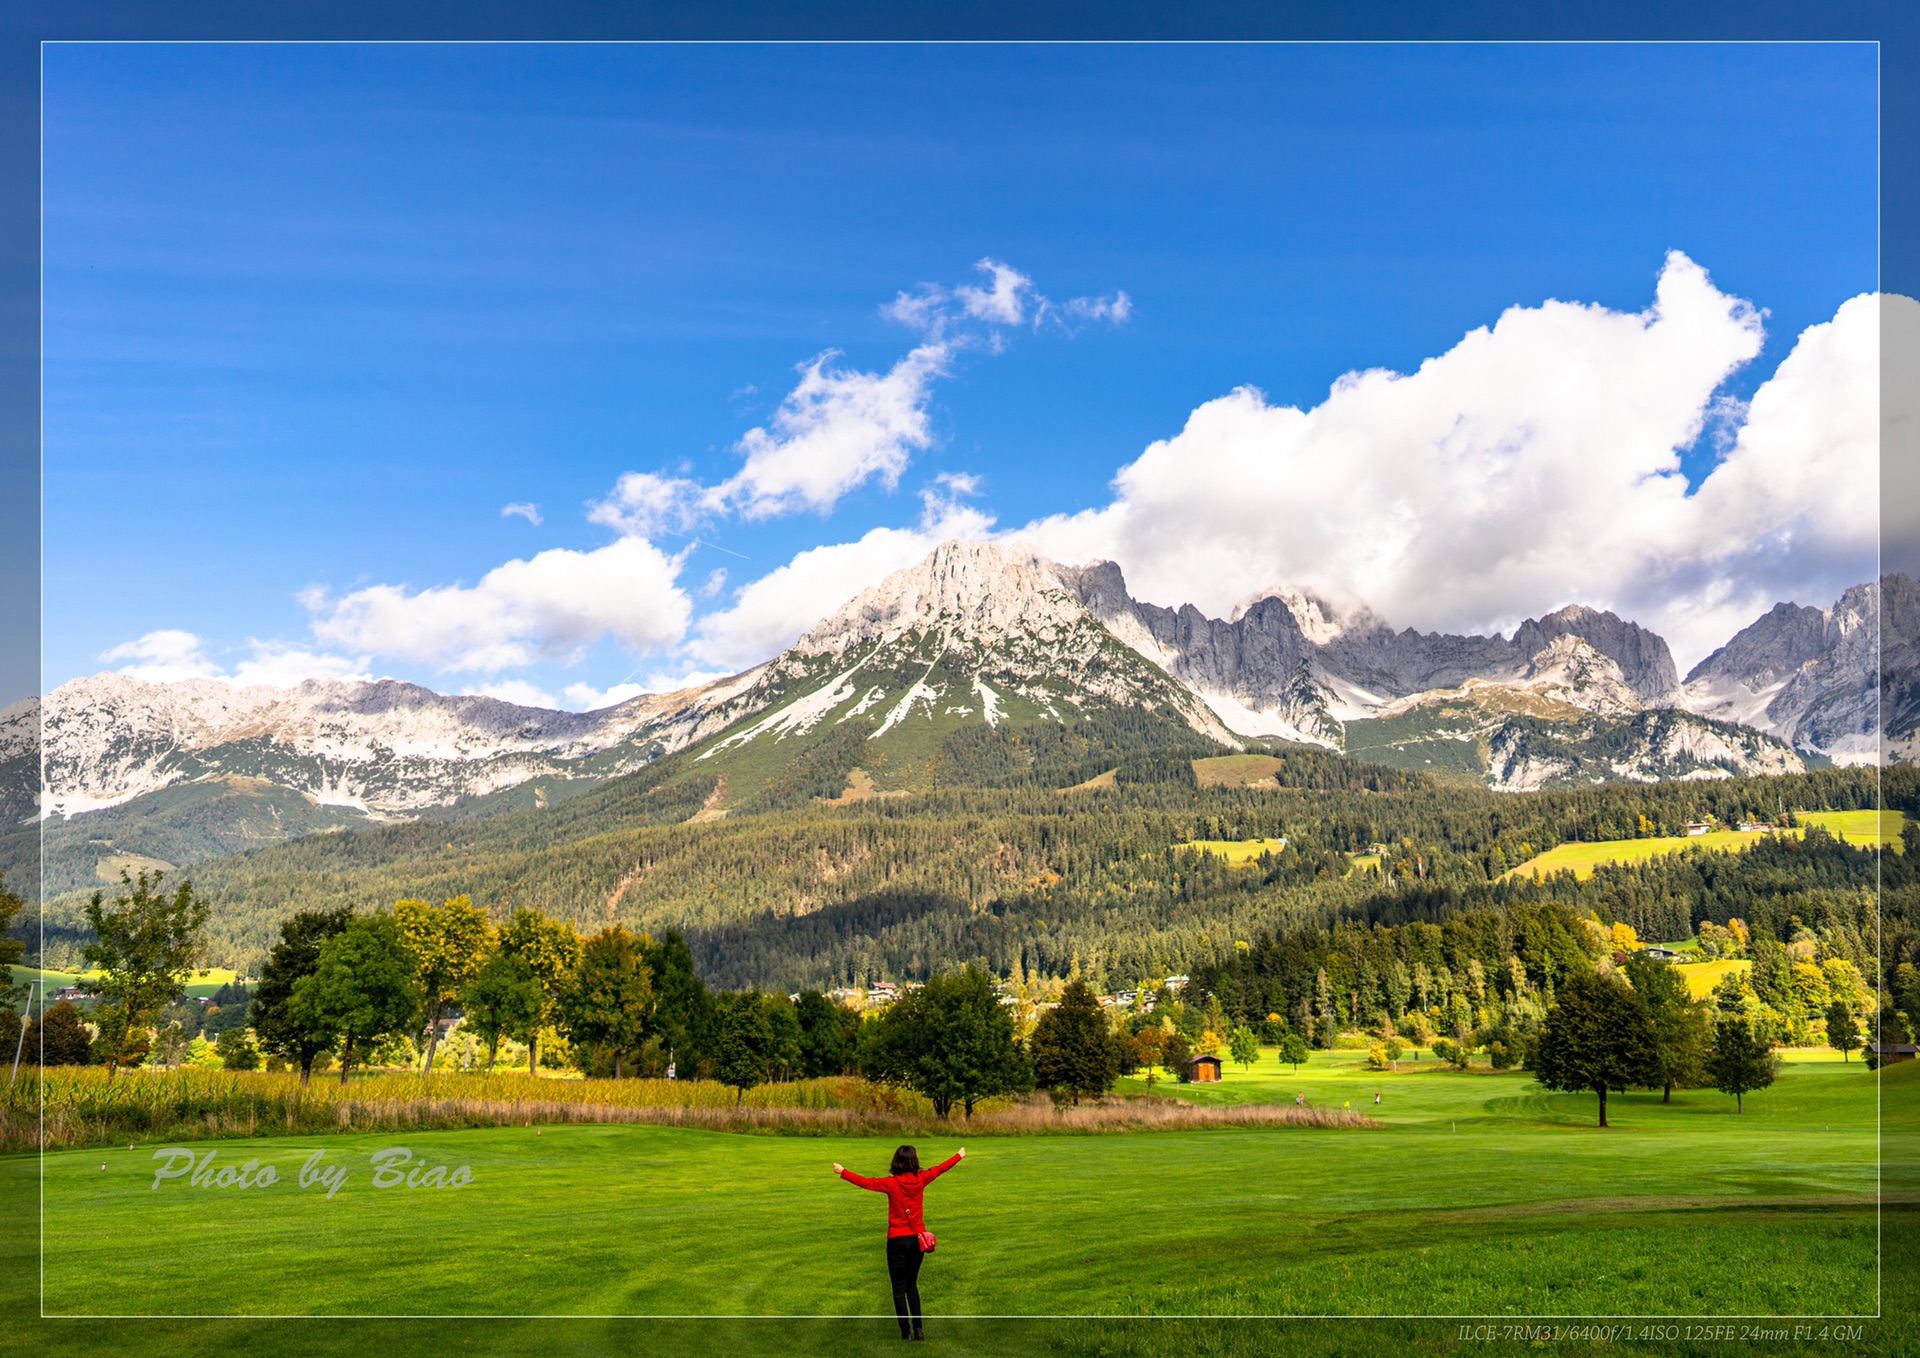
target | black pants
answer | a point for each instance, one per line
(903, 1270)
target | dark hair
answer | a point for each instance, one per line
(906, 1160)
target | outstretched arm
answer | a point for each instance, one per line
(877, 1185)
(946, 1164)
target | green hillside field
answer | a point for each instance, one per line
(1853, 827)
(204, 983)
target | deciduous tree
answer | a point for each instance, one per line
(951, 1040)
(363, 989)
(1843, 1029)
(503, 997)
(146, 945)
(1742, 1060)
(1682, 1026)
(610, 1001)
(447, 944)
(296, 955)
(551, 950)
(1596, 1036)
(1293, 1049)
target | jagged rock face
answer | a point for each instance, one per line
(1289, 664)
(383, 747)
(1644, 660)
(1900, 667)
(1661, 745)
(1806, 675)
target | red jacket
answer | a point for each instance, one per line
(903, 1195)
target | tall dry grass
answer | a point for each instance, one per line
(65, 1108)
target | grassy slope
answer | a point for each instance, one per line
(1239, 853)
(203, 982)
(1855, 827)
(1350, 1214)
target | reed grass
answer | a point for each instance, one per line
(66, 1108)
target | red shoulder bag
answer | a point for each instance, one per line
(928, 1242)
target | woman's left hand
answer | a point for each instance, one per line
(839, 1168)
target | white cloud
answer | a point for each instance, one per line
(644, 503)
(553, 607)
(522, 509)
(1003, 303)
(164, 657)
(170, 655)
(587, 698)
(716, 581)
(279, 665)
(516, 691)
(1008, 299)
(835, 431)
(1532, 465)
(770, 613)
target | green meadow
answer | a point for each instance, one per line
(1858, 828)
(1238, 853)
(203, 984)
(1480, 1193)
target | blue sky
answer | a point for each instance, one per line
(316, 314)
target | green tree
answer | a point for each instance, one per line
(1150, 1050)
(447, 944)
(825, 1035)
(1682, 1027)
(1073, 1053)
(1596, 1036)
(610, 1000)
(1843, 1029)
(363, 990)
(145, 946)
(1243, 1044)
(745, 1042)
(1742, 1061)
(295, 955)
(550, 948)
(60, 1037)
(237, 1050)
(783, 1023)
(951, 1040)
(503, 997)
(1293, 1050)
(684, 1013)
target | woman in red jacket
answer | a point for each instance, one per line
(904, 1188)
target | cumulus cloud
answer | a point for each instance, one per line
(169, 655)
(552, 607)
(1534, 464)
(163, 657)
(280, 665)
(770, 613)
(522, 509)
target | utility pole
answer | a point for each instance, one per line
(21, 1045)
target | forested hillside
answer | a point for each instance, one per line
(1042, 879)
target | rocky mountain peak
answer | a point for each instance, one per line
(971, 590)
